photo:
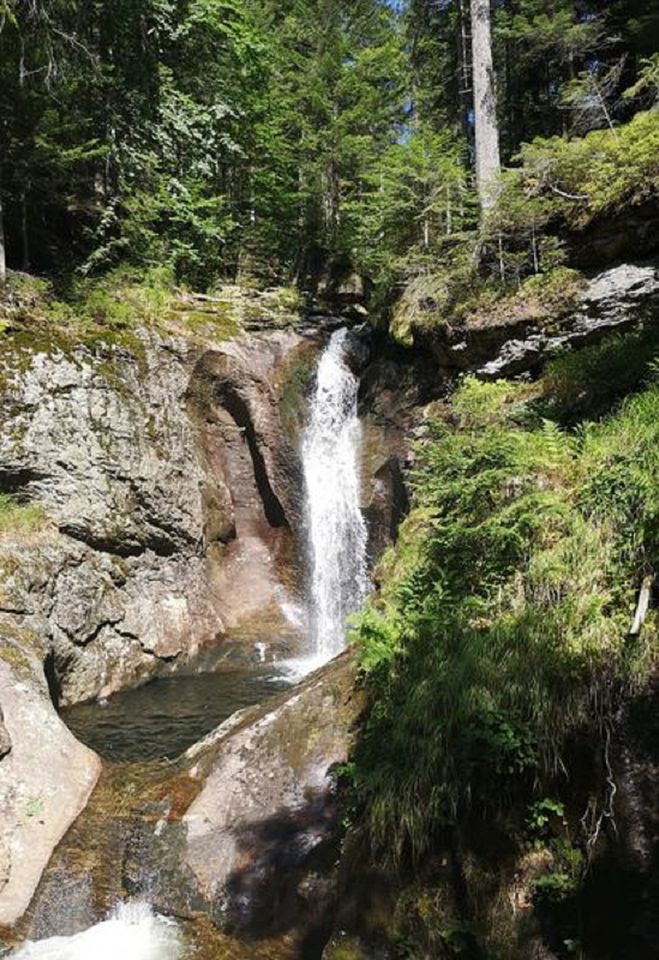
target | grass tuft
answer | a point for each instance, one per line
(20, 518)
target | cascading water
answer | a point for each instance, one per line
(336, 528)
(132, 932)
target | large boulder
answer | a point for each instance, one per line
(46, 778)
(256, 846)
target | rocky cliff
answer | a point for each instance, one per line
(164, 470)
(164, 475)
(518, 341)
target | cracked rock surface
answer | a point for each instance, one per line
(169, 500)
(613, 301)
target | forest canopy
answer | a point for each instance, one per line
(228, 138)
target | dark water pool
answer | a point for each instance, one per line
(163, 718)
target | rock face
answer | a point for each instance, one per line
(169, 473)
(171, 495)
(613, 301)
(45, 778)
(5, 739)
(394, 388)
(255, 847)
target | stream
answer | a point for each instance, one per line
(81, 909)
(163, 718)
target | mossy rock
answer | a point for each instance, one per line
(297, 380)
(342, 946)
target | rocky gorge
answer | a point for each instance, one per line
(164, 480)
(165, 475)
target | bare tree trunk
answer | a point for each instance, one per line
(3, 258)
(25, 237)
(465, 68)
(488, 162)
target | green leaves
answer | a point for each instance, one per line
(501, 623)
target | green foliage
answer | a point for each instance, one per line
(201, 135)
(416, 201)
(119, 301)
(519, 273)
(547, 833)
(599, 173)
(20, 519)
(225, 138)
(541, 814)
(647, 85)
(502, 622)
(555, 886)
(588, 382)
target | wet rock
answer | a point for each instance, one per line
(257, 846)
(395, 386)
(45, 781)
(169, 473)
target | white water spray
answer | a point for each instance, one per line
(337, 532)
(132, 932)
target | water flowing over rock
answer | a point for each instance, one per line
(170, 475)
(168, 481)
(336, 527)
(132, 931)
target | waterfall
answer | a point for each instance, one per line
(132, 932)
(336, 530)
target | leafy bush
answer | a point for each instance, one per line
(117, 301)
(501, 626)
(601, 172)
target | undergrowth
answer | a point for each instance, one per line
(115, 306)
(514, 268)
(20, 518)
(502, 624)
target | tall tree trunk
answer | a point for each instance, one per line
(465, 68)
(25, 236)
(3, 258)
(488, 162)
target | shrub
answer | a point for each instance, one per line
(502, 625)
(588, 382)
(599, 173)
